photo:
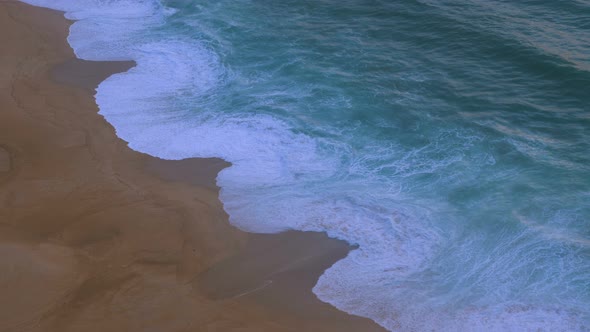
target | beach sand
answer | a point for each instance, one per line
(97, 237)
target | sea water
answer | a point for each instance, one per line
(448, 139)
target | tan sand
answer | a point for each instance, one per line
(96, 237)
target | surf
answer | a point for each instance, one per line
(391, 126)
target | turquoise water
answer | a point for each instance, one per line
(450, 140)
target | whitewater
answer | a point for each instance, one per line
(448, 140)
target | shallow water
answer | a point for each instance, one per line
(450, 140)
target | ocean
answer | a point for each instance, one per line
(448, 140)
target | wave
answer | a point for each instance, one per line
(283, 177)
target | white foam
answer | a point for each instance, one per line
(405, 299)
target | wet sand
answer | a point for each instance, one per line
(97, 237)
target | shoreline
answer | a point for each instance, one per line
(98, 237)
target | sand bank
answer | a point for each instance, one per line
(97, 237)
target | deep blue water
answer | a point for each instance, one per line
(450, 140)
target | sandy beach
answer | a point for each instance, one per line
(97, 237)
